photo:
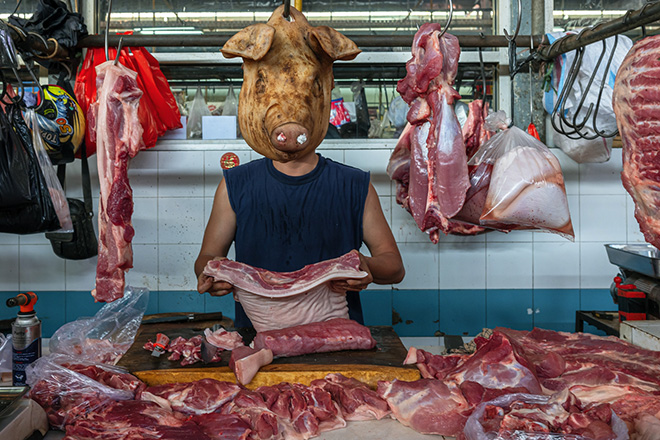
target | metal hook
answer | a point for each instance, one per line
(449, 19)
(107, 29)
(121, 40)
(482, 71)
(600, 93)
(287, 8)
(515, 34)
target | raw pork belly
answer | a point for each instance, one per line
(118, 138)
(355, 399)
(201, 397)
(636, 102)
(333, 335)
(274, 300)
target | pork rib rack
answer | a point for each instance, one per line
(636, 100)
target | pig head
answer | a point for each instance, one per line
(284, 103)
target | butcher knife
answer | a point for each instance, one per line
(209, 350)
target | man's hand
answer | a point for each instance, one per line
(354, 284)
(206, 283)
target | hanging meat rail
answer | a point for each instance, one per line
(360, 40)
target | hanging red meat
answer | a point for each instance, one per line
(118, 138)
(438, 166)
(635, 102)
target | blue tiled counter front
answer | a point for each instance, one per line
(411, 312)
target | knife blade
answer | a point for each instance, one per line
(181, 317)
(209, 350)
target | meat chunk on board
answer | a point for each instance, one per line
(318, 337)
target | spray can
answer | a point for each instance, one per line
(26, 335)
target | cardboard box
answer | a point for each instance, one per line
(218, 127)
(179, 133)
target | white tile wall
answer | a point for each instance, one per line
(173, 195)
(509, 265)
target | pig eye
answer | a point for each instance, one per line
(317, 89)
(260, 83)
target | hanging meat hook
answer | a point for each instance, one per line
(287, 8)
(107, 29)
(449, 19)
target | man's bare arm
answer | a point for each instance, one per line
(218, 236)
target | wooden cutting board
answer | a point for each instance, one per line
(369, 366)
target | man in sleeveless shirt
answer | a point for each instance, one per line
(282, 216)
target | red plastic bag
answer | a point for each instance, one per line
(158, 110)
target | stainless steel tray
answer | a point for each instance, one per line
(9, 396)
(640, 258)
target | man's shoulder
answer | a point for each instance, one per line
(346, 170)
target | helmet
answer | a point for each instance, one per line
(62, 124)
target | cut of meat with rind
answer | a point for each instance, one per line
(275, 300)
(635, 101)
(118, 138)
(283, 284)
(319, 337)
(245, 362)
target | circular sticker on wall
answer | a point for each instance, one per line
(229, 160)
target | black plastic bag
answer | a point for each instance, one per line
(14, 161)
(38, 214)
(52, 19)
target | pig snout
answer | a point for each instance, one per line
(289, 137)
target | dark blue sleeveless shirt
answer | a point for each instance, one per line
(286, 222)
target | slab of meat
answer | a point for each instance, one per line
(224, 339)
(355, 399)
(428, 406)
(219, 426)
(200, 397)
(398, 168)
(474, 131)
(274, 300)
(245, 362)
(333, 335)
(437, 148)
(264, 423)
(118, 138)
(635, 101)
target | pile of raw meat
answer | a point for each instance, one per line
(635, 102)
(534, 385)
(544, 381)
(465, 180)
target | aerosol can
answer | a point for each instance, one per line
(26, 335)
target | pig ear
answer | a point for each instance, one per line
(334, 44)
(251, 42)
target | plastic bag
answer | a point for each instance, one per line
(398, 112)
(105, 337)
(62, 386)
(230, 107)
(587, 150)
(54, 187)
(21, 171)
(197, 110)
(526, 184)
(338, 112)
(6, 362)
(474, 430)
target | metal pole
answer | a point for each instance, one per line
(649, 13)
(217, 40)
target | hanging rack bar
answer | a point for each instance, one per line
(649, 13)
(218, 39)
